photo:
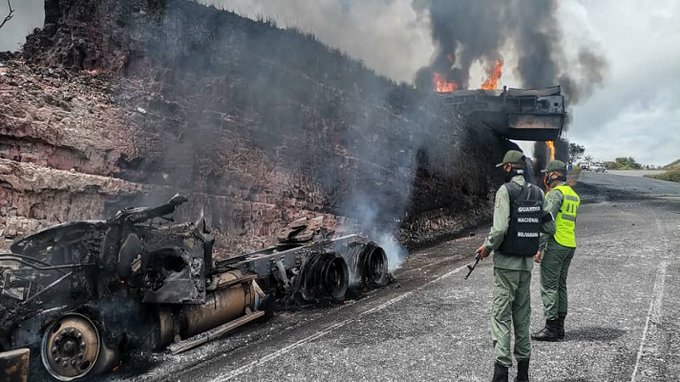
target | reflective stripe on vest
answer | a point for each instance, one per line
(566, 217)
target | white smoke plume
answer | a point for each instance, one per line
(396, 253)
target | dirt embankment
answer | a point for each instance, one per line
(117, 102)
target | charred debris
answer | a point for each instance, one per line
(82, 293)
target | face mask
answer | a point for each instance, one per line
(551, 178)
(513, 173)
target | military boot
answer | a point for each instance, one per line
(500, 373)
(549, 333)
(522, 371)
(560, 328)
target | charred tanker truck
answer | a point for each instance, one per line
(521, 114)
(79, 294)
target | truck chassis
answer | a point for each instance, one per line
(81, 294)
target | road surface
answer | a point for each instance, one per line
(431, 324)
(635, 172)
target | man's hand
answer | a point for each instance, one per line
(538, 256)
(482, 252)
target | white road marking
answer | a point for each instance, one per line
(319, 334)
(654, 314)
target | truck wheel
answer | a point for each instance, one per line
(375, 269)
(336, 278)
(72, 348)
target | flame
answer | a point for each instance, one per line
(441, 85)
(551, 146)
(492, 82)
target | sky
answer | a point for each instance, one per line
(635, 112)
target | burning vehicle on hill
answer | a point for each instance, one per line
(80, 294)
(521, 114)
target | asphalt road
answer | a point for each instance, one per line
(635, 172)
(431, 324)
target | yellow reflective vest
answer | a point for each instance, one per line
(566, 217)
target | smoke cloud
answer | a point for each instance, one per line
(390, 36)
(407, 39)
(470, 31)
(483, 31)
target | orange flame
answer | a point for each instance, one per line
(492, 82)
(551, 146)
(441, 85)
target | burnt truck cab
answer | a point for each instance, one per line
(76, 292)
(81, 294)
(521, 114)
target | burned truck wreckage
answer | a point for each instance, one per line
(79, 294)
(521, 114)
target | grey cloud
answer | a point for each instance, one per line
(649, 137)
(645, 126)
(637, 113)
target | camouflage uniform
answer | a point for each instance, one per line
(558, 244)
(511, 294)
(554, 264)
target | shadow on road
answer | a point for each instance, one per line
(593, 334)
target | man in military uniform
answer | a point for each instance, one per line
(514, 240)
(558, 243)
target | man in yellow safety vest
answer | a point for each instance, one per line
(556, 250)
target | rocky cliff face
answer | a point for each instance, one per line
(117, 102)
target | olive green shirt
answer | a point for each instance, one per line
(551, 205)
(501, 222)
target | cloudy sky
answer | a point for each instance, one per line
(636, 112)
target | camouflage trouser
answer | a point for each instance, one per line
(511, 307)
(554, 269)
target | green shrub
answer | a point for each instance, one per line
(611, 165)
(628, 163)
(670, 166)
(672, 175)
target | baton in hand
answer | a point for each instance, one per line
(472, 267)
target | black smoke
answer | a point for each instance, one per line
(542, 155)
(469, 31)
(464, 32)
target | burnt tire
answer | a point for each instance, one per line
(374, 267)
(72, 348)
(336, 278)
(325, 277)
